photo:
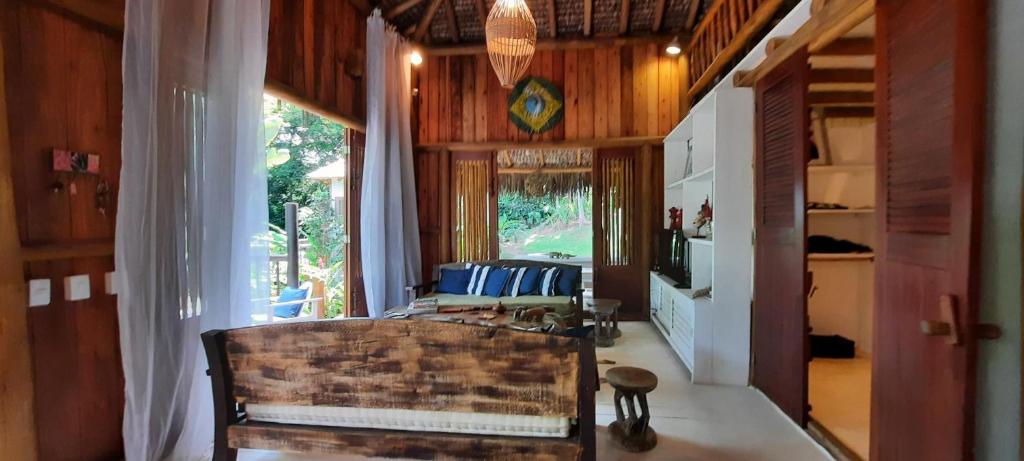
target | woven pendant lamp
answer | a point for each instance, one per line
(511, 40)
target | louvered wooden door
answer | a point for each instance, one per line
(619, 271)
(780, 341)
(930, 106)
(474, 206)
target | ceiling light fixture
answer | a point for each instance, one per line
(415, 58)
(511, 40)
(674, 47)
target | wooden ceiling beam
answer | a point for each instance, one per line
(588, 16)
(659, 15)
(836, 18)
(561, 44)
(624, 17)
(863, 46)
(691, 15)
(400, 8)
(842, 75)
(285, 92)
(834, 98)
(552, 19)
(453, 22)
(481, 12)
(424, 25)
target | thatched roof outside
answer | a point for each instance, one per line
(542, 172)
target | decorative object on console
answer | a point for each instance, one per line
(704, 217)
(688, 167)
(675, 217)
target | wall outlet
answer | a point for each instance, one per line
(110, 283)
(38, 292)
(76, 287)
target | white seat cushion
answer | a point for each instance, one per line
(412, 420)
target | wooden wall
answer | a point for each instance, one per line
(612, 92)
(63, 79)
(316, 50)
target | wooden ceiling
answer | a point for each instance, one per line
(446, 22)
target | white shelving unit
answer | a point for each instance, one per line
(843, 298)
(711, 334)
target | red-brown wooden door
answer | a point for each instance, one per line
(619, 267)
(780, 341)
(930, 106)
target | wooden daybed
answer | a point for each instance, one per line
(394, 370)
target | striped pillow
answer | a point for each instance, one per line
(477, 276)
(549, 281)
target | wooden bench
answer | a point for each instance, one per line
(399, 365)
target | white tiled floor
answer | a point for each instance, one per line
(693, 422)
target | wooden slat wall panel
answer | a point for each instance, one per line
(64, 85)
(781, 124)
(313, 47)
(621, 91)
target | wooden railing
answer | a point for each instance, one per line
(722, 34)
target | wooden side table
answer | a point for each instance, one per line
(613, 305)
(631, 430)
(603, 332)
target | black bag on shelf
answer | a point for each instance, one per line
(832, 347)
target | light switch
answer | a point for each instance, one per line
(76, 287)
(38, 292)
(110, 283)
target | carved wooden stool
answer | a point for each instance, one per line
(632, 433)
(614, 304)
(603, 326)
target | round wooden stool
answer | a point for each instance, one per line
(632, 432)
(603, 336)
(614, 304)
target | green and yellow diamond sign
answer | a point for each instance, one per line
(535, 105)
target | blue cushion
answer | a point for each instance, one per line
(523, 281)
(494, 285)
(549, 281)
(477, 276)
(290, 310)
(567, 283)
(454, 281)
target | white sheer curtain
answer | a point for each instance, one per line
(390, 243)
(192, 208)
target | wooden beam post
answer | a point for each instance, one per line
(400, 8)
(691, 15)
(17, 418)
(588, 17)
(836, 18)
(424, 25)
(624, 17)
(453, 22)
(282, 91)
(481, 11)
(659, 15)
(552, 19)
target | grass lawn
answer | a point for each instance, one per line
(578, 241)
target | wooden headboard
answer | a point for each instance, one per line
(399, 364)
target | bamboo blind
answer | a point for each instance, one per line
(472, 209)
(617, 213)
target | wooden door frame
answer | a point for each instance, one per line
(17, 415)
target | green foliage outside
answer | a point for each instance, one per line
(555, 223)
(298, 143)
